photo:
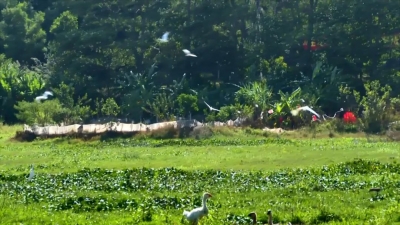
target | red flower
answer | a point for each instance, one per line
(314, 118)
(349, 117)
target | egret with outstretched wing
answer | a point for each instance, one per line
(164, 38)
(188, 53)
(44, 96)
(211, 108)
(334, 116)
(307, 108)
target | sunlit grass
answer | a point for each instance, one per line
(65, 156)
(71, 157)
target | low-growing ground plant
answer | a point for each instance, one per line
(332, 194)
(150, 178)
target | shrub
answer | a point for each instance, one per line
(202, 133)
(38, 112)
(166, 132)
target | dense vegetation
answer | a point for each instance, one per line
(104, 59)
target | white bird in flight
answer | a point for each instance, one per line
(31, 174)
(334, 116)
(296, 111)
(164, 38)
(211, 108)
(187, 53)
(44, 96)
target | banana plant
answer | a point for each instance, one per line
(323, 84)
(138, 90)
(255, 93)
(161, 106)
(289, 101)
(17, 84)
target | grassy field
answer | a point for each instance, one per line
(304, 177)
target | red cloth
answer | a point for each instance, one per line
(349, 117)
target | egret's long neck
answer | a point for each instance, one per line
(255, 219)
(270, 219)
(204, 202)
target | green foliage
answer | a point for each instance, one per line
(72, 112)
(340, 126)
(110, 107)
(350, 97)
(39, 113)
(377, 107)
(66, 22)
(227, 112)
(192, 142)
(104, 49)
(17, 83)
(187, 103)
(161, 106)
(21, 32)
(255, 93)
(180, 190)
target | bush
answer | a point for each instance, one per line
(167, 132)
(38, 112)
(342, 127)
(201, 133)
(378, 107)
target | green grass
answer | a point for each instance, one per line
(299, 177)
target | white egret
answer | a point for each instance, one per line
(31, 174)
(211, 108)
(44, 96)
(164, 38)
(307, 108)
(187, 53)
(334, 116)
(196, 214)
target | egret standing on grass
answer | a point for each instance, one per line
(31, 174)
(44, 96)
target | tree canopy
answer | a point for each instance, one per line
(107, 57)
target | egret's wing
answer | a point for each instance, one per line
(186, 51)
(207, 104)
(165, 36)
(38, 98)
(193, 55)
(310, 110)
(48, 93)
(195, 92)
(235, 85)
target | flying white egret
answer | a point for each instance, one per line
(334, 116)
(31, 174)
(44, 96)
(296, 111)
(235, 85)
(211, 108)
(187, 53)
(164, 38)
